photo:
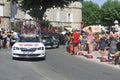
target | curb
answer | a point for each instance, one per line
(96, 56)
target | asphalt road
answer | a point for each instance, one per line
(16, 69)
(59, 65)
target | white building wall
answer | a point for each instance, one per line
(5, 13)
(5, 18)
(68, 17)
(57, 16)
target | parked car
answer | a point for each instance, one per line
(28, 46)
(50, 41)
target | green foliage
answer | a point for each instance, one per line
(59, 29)
(15, 28)
(45, 24)
(104, 15)
(110, 11)
(90, 13)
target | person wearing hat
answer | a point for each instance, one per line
(114, 37)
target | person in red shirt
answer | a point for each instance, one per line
(75, 36)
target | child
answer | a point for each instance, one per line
(82, 43)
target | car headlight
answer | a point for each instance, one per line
(44, 41)
(16, 48)
(41, 48)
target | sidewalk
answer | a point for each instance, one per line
(96, 58)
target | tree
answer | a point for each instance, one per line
(90, 13)
(37, 8)
(110, 11)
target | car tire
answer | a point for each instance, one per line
(52, 46)
(13, 58)
(57, 46)
(44, 58)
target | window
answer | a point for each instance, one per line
(69, 17)
(53, 38)
(58, 16)
(1, 10)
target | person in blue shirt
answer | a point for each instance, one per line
(82, 43)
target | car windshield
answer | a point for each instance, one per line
(29, 39)
(45, 37)
(48, 37)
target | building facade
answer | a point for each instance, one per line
(5, 14)
(68, 17)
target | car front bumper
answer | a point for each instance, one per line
(36, 54)
(28, 55)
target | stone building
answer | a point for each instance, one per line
(5, 14)
(70, 17)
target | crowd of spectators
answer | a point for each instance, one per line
(90, 41)
(8, 38)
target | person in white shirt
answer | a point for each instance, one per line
(16, 36)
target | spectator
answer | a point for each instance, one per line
(80, 38)
(90, 41)
(69, 41)
(102, 45)
(0, 38)
(75, 37)
(97, 39)
(16, 36)
(82, 42)
(117, 55)
(4, 39)
(8, 38)
(114, 40)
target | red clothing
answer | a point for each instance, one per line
(75, 37)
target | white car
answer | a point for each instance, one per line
(28, 46)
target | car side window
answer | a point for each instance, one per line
(53, 38)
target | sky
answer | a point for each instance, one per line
(99, 2)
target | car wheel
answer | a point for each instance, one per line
(52, 46)
(44, 58)
(13, 58)
(57, 46)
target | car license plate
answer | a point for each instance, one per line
(55, 45)
(28, 52)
